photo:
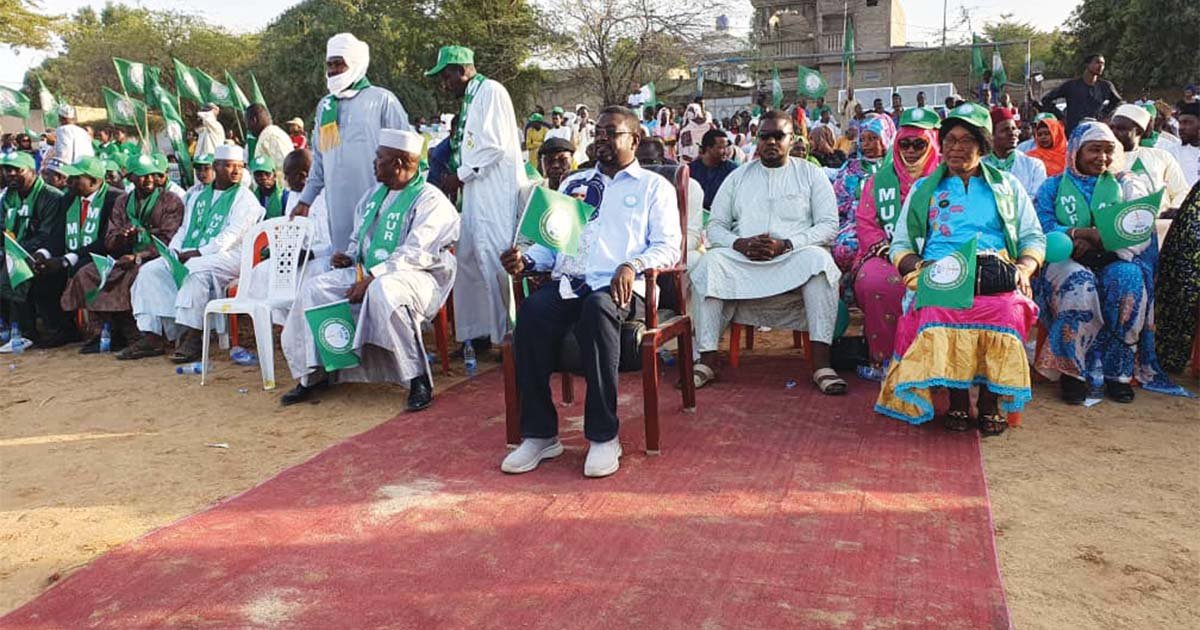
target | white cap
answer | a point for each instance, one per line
(1135, 113)
(230, 152)
(66, 111)
(406, 141)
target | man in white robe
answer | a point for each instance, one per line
(209, 243)
(396, 274)
(211, 133)
(1028, 170)
(488, 166)
(768, 261)
(269, 139)
(345, 134)
(1130, 124)
(71, 141)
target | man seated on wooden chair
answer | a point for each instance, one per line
(635, 227)
(209, 244)
(768, 261)
(397, 273)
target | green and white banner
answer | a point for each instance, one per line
(104, 266)
(332, 326)
(1129, 223)
(554, 220)
(810, 83)
(950, 281)
(16, 260)
(179, 271)
(132, 76)
(13, 103)
(49, 106)
(124, 110)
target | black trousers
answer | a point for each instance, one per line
(543, 321)
(40, 297)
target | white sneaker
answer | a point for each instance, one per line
(7, 348)
(603, 458)
(530, 453)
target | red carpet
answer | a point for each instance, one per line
(769, 508)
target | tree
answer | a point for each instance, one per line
(21, 26)
(619, 45)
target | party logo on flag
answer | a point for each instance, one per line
(554, 220)
(190, 81)
(1128, 224)
(125, 108)
(950, 281)
(137, 74)
(332, 326)
(173, 131)
(948, 273)
(219, 91)
(7, 100)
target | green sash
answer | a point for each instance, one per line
(917, 218)
(1005, 165)
(887, 197)
(390, 225)
(208, 216)
(274, 202)
(461, 122)
(15, 209)
(91, 223)
(1072, 209)
(1150, 139)
(328, 135)
(139, 215)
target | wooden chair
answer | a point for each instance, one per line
(658, 331)
(799, 340)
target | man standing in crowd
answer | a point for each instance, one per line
(211, 133)
(394, 277)
(558, 126)
(849, 107)
(487, 167)
(71, 142)
(30, 210)
(713, 167)
(585, 131)
(1030, 171)
(1086, 97)
(346, 133)
(1189, 152)
(269, 139)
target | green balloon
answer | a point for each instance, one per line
(843, 320)
(1058, 247)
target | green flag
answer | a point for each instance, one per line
(16, 259)
(239, 97)
(13, 103)
(177, 133)
(1129, 223)
(977, 65)
(999, 76)
(156, 92)
(554, 220)
(648, 94)
(810, 83)
(848, 49)
(104, 266)
(214, 91)
(187, 84)
(49, 106)
(179, 271)
(950, 281)
(776, 88)
(132, 76)
(699, 80)
(332, 326)
(256, 95)
(124, 110)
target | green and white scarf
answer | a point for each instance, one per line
(917, 218)
(461, 124)
(274, 203)
(1072, 209)
(389, 227)
(139, 213)
(209, 216)
(86, 235)
(887, 197)
(17, 211)
(1005, 164)
(328, 135)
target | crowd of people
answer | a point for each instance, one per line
(793, 217)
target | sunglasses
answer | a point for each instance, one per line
(777, 136)
(912, 144)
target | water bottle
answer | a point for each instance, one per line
(469, 360)
(666, 356)
(18, 342)
(242, 356)
(191, 368)
(106, 338)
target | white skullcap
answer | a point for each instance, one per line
(230, 152)
(66, 111)
(1137, 114)
(406, 141)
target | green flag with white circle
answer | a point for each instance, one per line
(810, 83)
(332, 326)
(132, 76)
(1129, 223)
(104, 266)
(554, 220)
(179, 271)
(950, 281)
(13, 103)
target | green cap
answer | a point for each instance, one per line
(452, 56)
(112, 165)
(143, 164)
(536, 118)
(973, 114)
(206, 159)
(1044, 116)
(18, 159)
(556, 110)
(89, 165)
(161, 162)
(262, 164)
(920, 117)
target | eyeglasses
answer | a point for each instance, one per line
(777, 136)
(604, 133)
(912, 144)
(966, 141)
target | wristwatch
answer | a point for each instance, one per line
(787, 245)
(636, 265)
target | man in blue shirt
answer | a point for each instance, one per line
(635, 226)
(713, 167)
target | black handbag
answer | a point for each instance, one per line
(994, 275)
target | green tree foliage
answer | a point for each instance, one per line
(22, 26)
(1147, 43)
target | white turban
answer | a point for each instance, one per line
(230, 152)
(406, 141)
(1138, 115)
(357, 56)
(66, 111)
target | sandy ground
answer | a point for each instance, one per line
(1096, 510)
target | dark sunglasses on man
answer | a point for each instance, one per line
(777, 136)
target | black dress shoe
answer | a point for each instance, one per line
(1074, 391)
(420, 393)
(91, 347)
(57, 340)
(1118, 391)
(301, 393)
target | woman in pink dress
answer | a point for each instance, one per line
(667, 130)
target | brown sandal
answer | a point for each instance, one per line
(957, 421)
(992, 424)
(143, 349)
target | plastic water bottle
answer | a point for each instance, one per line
(106, 338)
(666, 356)
(191, 368)
(242, 356)
(18, 342)
(469, 360)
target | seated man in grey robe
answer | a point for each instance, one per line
(768, 262)
(396, 273)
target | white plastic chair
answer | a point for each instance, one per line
(287, 239)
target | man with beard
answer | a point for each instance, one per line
(1130, 124)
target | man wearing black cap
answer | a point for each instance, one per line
(555, 160)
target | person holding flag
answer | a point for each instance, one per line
(487, 166)
(138, 215)
(634, 226)
(204, 256)
(396, 275)
(1098, 305)
(30, 211)
(211, 133)
(963, 208)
